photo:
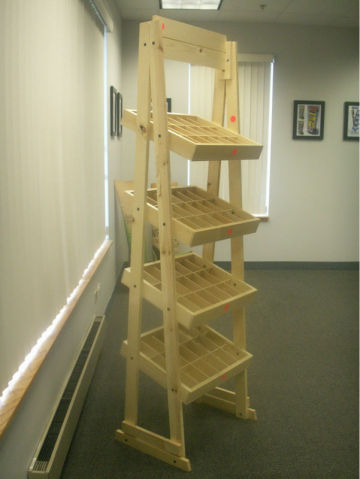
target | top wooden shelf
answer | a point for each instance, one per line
(199, 140)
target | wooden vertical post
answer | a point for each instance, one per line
(237, 243)
(165, 234)
(137, 241)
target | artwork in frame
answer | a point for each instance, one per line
(351, 121)
(168, 105)
(116, 109)
(308, 120)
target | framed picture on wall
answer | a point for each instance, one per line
(113, 111)
(168, 105)
(116, 109)
(351, 121)
(308, 120)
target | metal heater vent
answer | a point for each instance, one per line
(54, 446)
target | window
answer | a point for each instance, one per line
(255, 98)
(52, 211)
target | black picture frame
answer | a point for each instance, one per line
(308, 120)
(116, 110)
(168, 105)
(112, 111)
(351, 121)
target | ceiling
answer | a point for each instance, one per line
(338, 13)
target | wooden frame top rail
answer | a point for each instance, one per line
(186, 43)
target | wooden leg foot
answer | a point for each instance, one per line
(153, 444)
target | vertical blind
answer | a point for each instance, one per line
(51, 168)
(255, 83)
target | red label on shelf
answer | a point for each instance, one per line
(233, 119)
(229, 231)
(234, 151)
(163, 26)
(226, 307)
(223, 377)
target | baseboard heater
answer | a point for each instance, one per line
(53, 448)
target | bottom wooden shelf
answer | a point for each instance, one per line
(207, 359)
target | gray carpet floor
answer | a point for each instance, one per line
(302, 329)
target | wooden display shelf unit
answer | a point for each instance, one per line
(198, 216)
(207, 359)
(185, 355)
(197, 139)
(204, 291)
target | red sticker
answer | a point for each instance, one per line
(229, 231)
(234, 151)
(223, 377)
(233, 118)
(226, 307)
(163, 26)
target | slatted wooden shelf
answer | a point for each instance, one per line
(204, 291)
(197, 139)
(199, 217)
(207, 359)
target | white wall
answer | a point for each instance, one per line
(21, 438)
(314, 185)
